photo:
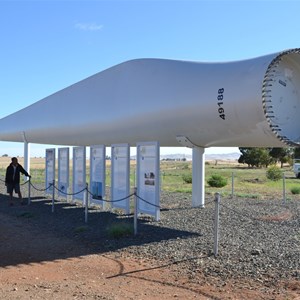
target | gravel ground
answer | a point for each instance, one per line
(258, 239)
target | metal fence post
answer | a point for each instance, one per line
(232, 185)
(216, 223)
(53, 194)
(29, 191)
(69, 197)
(283, 188)
(86, 202)
(135, 212)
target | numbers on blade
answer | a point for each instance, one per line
(220, 98)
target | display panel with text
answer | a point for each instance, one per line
(50, 171)
(63, 172)
(148, 183)
(79, 172)
(97, 174)
(120, 180)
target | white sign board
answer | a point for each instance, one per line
(120, 176)
(148, 182)
(50, 170)
(79, 172)
(63, 172)
(97, 174)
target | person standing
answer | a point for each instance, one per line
(12, 179)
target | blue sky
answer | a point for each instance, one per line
(49, 45)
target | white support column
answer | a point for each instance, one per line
(27, 157)
(198, 191)
(26, 154)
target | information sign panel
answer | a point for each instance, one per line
(63, 172)
(50, 170)
(120, 176)
(97, 174)
(148, 182)
(79, 172)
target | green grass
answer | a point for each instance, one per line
(80, 229)
(251, 183)
(249, 196)
(119, 230)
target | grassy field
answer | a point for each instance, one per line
(249, 183)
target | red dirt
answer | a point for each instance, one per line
(24, 275)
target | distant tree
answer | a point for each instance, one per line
(265, 158)
(255, 157)
(281, 155)
(5, 155)
(297, 152)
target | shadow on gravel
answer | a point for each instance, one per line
(31, 234)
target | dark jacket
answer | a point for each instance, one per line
(10, 173)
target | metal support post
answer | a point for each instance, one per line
(53, 194)
(29, 191)
(86, 202)
(135, 212)
(283, 189)
(232, 185)
(216, 223)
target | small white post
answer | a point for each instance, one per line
(135, 212)
(232, 185)
(283, 189)
(53, 194)
(86, 202)
(216, 223)
(29, 191)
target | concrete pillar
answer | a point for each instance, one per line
(198, 190)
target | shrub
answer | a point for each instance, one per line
(185, 167)
(187, 178)
(274, 173)
(80, 229)
(120, 230)
(217, 180)
(295, 190)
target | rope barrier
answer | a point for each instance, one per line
(41, 190)
(20, 183)
(25, 182)
(112, 201)
(147, 201)
(69, 194)
(133, 194)
(104, 200)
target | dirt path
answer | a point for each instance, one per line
(29, 271)
(26, 273)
